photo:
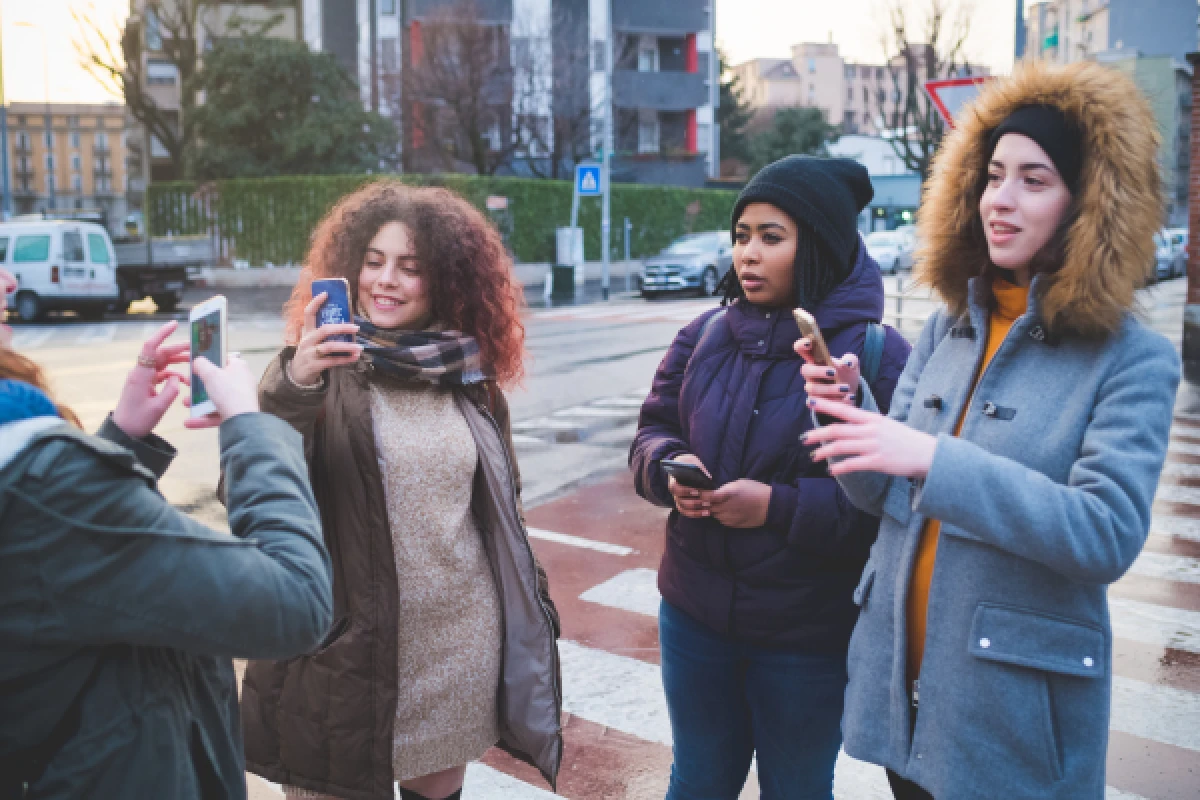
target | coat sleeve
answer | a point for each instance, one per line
(816, 511)
(1092, 528)
(120, 565)
(867, 490)
(660, 431)
(298, 407)
(154, 453)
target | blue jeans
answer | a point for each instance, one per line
(730, 701)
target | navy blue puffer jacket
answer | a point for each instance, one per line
(737, 402)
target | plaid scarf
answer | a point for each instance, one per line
(446, 358)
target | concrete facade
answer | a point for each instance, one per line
(1064, 31)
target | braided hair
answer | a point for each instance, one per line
(817, 272)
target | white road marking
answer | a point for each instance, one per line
(1183, 449)
(1171, 493)
(485, 783)
(29, 339)
(579, 541)
(633, 590)
(617, 691)
(97, 334)
(1174, 469)
(1155, 625)
(1179, 527)
(1167, 567)
(597, 412)
(1161, 713)
(1116, 794)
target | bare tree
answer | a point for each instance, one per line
(171, 31)
(914, 126)
(458, 86)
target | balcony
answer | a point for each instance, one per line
(659, 91)
(662, 17)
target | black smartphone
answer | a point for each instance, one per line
(336, 308)
(688, 475)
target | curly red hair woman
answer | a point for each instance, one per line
(439, 600)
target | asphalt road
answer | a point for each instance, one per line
(589, 368)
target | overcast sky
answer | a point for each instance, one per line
(745, 28)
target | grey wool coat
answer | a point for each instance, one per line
(1045, 496)
(1044, 500)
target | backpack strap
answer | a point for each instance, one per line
(708, 324)
(873, 351)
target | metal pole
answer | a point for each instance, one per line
(605, 164)
(5, 182)
(49, 121)
(628, 267)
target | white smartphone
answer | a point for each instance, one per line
(207, 322)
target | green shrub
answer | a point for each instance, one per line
(271, 219)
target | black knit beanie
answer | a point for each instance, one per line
(826, 194)
(1053, 132)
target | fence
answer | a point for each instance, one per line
(269, 220)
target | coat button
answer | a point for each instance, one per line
(756, 412)
(985, 643)
(989, 409)
(1088, 662)
(1038, 333)
(761, 342)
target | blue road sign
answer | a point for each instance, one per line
(587, 180)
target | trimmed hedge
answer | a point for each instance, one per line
(270, 219)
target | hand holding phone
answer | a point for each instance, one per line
(336, 309)
(323, 346)
(824, 376)
(207, 323)
(232, 390)
(688, 474)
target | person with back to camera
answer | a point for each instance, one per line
(443, 642)
(757, 576)
(119, 614)
(1017, 468)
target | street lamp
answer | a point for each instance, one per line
(49, 136)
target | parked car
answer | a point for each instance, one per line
(887, 247)
(1168, 262)
(60, 265)
(694, 262)
(1178, 237)
(905, 261)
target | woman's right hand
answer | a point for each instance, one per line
(233, 389)
(314, 355)
(694, 503)
(838, 383)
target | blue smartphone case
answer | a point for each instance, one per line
(336, 308)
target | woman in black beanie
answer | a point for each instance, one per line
(757, 575)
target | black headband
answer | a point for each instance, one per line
(1054, 133)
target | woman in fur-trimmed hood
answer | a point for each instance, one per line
(1016, 470)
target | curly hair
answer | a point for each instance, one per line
(471, 284)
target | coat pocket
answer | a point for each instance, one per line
(1030, 653)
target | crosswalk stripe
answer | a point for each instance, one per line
(1167, 567)
(1178, 494)
(1116, 794)
(1179, 527)
(1184, 449)
(1155, 625)
(1159, 713)
(97, 334)
(1174, 469)
(636, 590)
(485, 783)
(579, 541)
(28, 339)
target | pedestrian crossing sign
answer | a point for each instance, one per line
(587, 180)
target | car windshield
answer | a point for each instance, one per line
(885, 239)
(694, 244)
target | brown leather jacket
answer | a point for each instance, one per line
(324, 721)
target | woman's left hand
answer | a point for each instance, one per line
(742, 504)
(142, 405)
(869, 442)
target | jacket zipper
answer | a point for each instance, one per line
(556, 667)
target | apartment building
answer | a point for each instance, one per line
(214, 22)
(664, 87)
(851, 94)
(77, 163)
(1064, 31)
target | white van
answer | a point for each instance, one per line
(60, 265)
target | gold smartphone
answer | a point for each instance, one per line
(809, 330)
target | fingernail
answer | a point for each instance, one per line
(844, 389)
(829, 373)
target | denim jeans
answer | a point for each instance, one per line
(730, 702)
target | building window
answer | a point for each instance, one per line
(866, 73)
(153, 30)
(76, 163)
(75, 139)
(77, 183)
(850, 72)
(101, 141)
(49, 137)
(49, 184)
(879, 73)
(22, 140)
(895, 95)
(389, 55)
(881, 95)
(648, 133)
(866, 96)
(812, 65)
(49, 161)
(388, 7)
(647, 59)
(160, 73)
(849, 94)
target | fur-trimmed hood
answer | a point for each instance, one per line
(1109, 250)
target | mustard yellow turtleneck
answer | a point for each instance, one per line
(1011, 302)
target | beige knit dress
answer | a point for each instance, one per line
(451, 624)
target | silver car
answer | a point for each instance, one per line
(694, 262)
